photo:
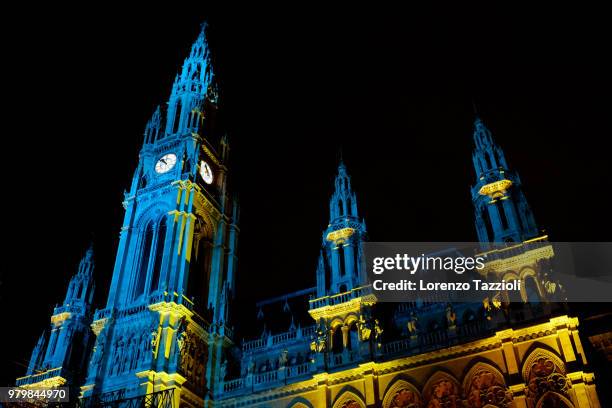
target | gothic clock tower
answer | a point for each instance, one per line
(165, 324)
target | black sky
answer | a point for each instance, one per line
(392, 88)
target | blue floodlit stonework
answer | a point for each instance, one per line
(62, 351)
(164, 336)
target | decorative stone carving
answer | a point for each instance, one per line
(319, 345)
(544, 373)
(223, 371)
(365, 329)
(442, 391)
(283, 359)
(405, 399)
(402, 395)
(378, 331)
(485, 386)
(351, 404)
(451, 316)
(412, 324)
(192, 358)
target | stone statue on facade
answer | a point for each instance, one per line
(365, 331)
(378, 331)
(412, 324)
(283, 359)
(223, 371)
(451, 317)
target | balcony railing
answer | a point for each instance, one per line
(73, 308)
(267, 380)
(264, 378)
(103, 314)
(281, 338)
(431, 340)
(34, 378)
(340, 298)
(160, 399)
(347, 357)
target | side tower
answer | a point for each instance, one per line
(339, 268)
(343, 303)
(165, 324)
(60, 354)
(501, 210)
(510, 238)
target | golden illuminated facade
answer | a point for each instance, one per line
(517, 349)
(541, 365)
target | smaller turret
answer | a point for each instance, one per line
(339, 268)
(62, 355)
(502, 213)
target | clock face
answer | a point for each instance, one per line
(165, 163)
(206, 172)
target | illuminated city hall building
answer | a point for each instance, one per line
(164, 338)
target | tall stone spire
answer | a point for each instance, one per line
(343, 202)
(502, 213)
(339, 267)
(191, 88)
(59, 359)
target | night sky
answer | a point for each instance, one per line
(392, 89)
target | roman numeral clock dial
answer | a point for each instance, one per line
(165, 163)
(206, 172)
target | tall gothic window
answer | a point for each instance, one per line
(198, 282)
(339, 208)
(145, 254)
(177, 117)
(488, 226)
(502, 214)
(54, 336)
(531, 288)
(487, 161)
(159, 254)
(341, 260)
(82, 291)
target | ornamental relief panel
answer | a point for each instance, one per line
(442, 391)
(192, 358)
(544, 373)
(349, 399)
(484, 386)
(402, 394)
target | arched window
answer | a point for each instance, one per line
(488, 161)
(514, 296)
(177, 117)
(54, 336)
(337, 344)
(82, 291)
(488, 226)
(198, 281)
(348, 206)
(339, 208)
(143, 266)
(159, 254)
(502, 214)
(499, 159)
(531, 289)
(341, 260)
